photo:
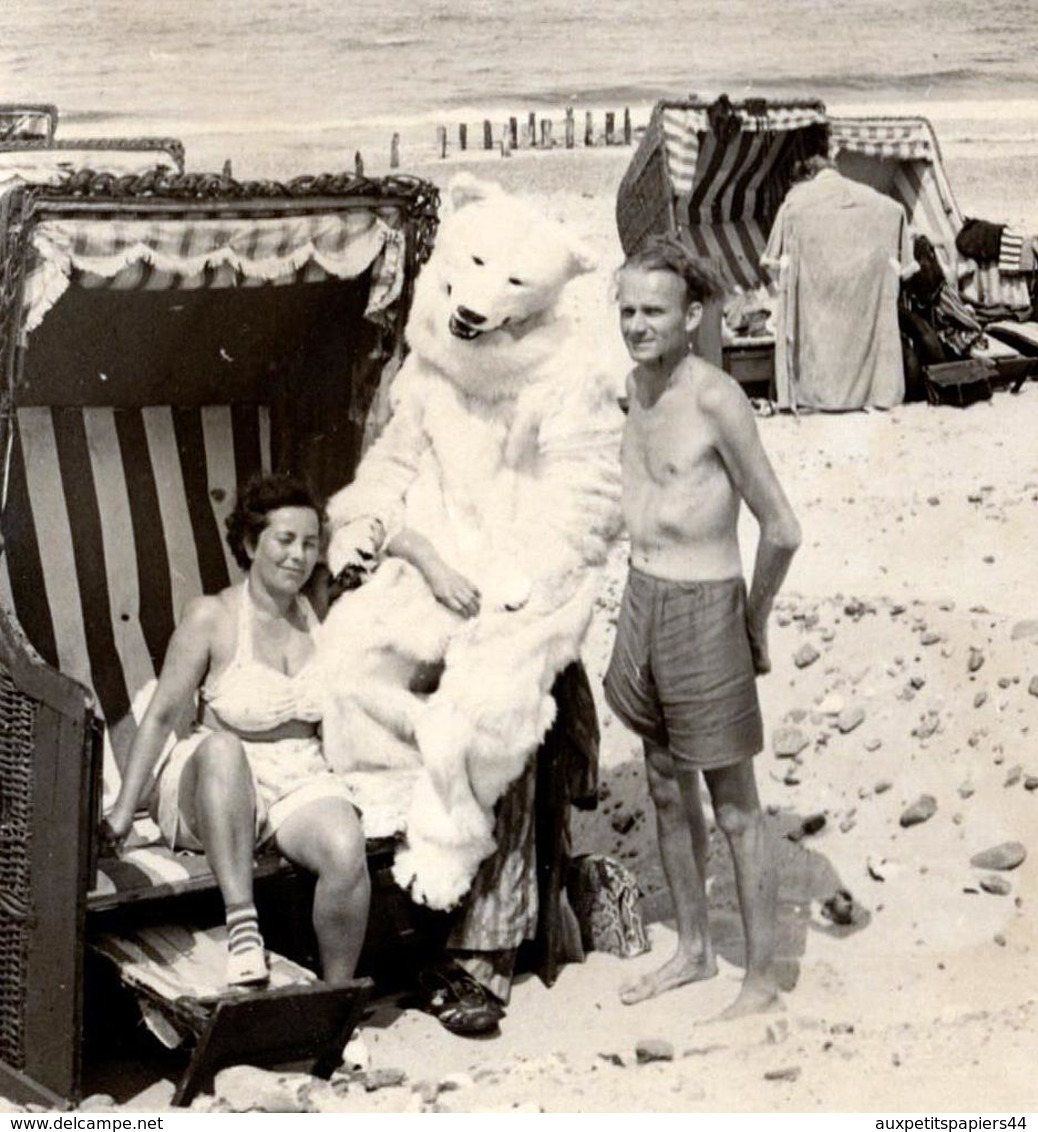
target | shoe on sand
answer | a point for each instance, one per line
(459, 1002)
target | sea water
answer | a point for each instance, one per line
(357, 70)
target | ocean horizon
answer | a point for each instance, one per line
(276, 75)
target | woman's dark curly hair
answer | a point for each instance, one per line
(260, 496)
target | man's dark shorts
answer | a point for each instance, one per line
(681, 674)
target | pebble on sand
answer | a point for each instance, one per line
(1032, 687)
(653, 1049)
(788, 742)
(850, 718)
(807, 654)
(1002, 857)
(922, 809)
(788, 1073)
(930, 637)
(976, 660)
(996, 885)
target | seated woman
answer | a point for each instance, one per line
(252, 770)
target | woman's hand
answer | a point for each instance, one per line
(454, 590)
(112, 832)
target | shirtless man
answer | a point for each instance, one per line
(689, 640)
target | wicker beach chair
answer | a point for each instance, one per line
(715, 174)
(162, 337)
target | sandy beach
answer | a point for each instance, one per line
(905, 649)
(914, 592)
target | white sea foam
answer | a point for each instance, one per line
(278, 74)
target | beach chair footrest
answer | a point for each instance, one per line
(177, 973)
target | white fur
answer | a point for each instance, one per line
(501, 449)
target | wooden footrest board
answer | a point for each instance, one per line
(180, 971)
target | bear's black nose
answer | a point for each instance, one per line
(470, 316)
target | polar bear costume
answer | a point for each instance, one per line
(502, 450)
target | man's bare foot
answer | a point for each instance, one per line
(754, 998)
(676, 972)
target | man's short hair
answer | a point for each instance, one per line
(811, 166)
(668, 253)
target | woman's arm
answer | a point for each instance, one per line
(450, 588)
(187, 659)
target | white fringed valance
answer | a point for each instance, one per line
(239, 250)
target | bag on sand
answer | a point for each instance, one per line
(958, 383)
(604, 895)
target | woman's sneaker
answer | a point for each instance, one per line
(247, 967)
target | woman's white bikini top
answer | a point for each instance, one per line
(250, 696)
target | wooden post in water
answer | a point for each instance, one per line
(506, 140)
(358, 164)
(610, 127)
(441, 140)
(589, 130)
(394, 152)
(627, 125)
(227, 170)
(513, 133)
(463, 136)
(488, 135)
(531, 123)
(569, 127)
(546, 138)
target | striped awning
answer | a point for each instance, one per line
(684, 129)
(212, 252)
(113, 521)
(896, 139)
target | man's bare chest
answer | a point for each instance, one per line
(668, 448)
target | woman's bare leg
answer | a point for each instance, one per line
(325, 837)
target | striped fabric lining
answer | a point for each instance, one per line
(722, 188)
(728, 206)
(896, 139)
(113, 521)
(684, 129)
(1010, 250)
(919, 181)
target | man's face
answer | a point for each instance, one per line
(656, 316)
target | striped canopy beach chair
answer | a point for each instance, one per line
(716, 173)
(162, 337)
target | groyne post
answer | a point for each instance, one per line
(627, 125)
(513, 133)
(463, 136)
(488, 135)
(589, 129)
(546, 138)
(441, 140)
(506, 140)
(358, 164)
(394, 152)
(610, 128)
(569, 127)
(531, 124)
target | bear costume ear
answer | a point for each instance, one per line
(465, 189)
(583, 258)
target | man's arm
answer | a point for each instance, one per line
(739, 445)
